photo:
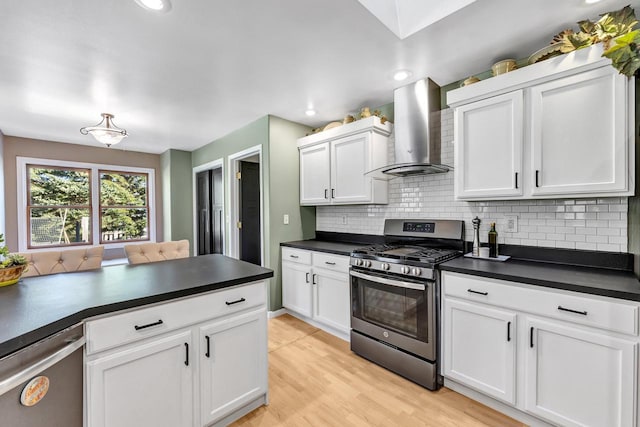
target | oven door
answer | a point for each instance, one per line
(395, 310)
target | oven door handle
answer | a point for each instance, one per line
(39, 366)
(391, 282)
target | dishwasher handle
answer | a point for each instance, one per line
(13, 381)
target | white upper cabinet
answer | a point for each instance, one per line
(559, 128)
(488, 147)
(579, 134)
(334, 164)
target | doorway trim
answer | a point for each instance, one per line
(215, 164)
(234, 200)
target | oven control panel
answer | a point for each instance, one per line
(401, 269)
(419, 227)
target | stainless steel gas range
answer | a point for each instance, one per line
(395, 296)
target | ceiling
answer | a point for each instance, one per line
(187, 77)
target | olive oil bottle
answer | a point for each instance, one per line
(493, 241)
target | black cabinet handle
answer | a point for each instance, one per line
(159, 322)
(186, 354)
(477, 292)
(294, 256)
(313, 279)
(508, 331)
(333, 193)
(584, 313)
(208, 353)
(516, 179)
(326, 191)
(531, 337)
(537, 178)
(330, 263)
(306, 277)
(235, 302)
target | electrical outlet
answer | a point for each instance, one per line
(344, 219)
(285, 219)
(512, 223)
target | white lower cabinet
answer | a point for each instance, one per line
(556, 355)
(148, 384)
(315, 286)
(233, 368)
(200, 361)
(479, 348)
(579, 378)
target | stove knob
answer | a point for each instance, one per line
(358, 262)
(416, 272)
(385, 266)
(404, 270)
(367, 263)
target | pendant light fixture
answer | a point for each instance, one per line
(106, 132)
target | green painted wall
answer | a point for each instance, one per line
(633, 216)
(177, 199)
(285, 197)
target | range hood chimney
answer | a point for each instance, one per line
(417, 130)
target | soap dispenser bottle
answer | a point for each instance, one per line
(493, 241)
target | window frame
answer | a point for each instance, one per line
(29, 206)
(23, 181)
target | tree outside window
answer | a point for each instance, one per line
(124, 209)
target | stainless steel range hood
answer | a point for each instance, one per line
(417, 131)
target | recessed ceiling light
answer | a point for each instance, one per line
(155, 5)
(591, 1)
(310, 112)
(401, 75)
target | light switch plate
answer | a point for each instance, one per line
(511, 223)
(285, 219)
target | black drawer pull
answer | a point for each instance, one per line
(584, 313)
(477, 292)
(537, 178)
(531, 337)
(159, 322)
(508, 331)
(294, 256)
(330, 263)
(306, 277)
(208, 353)
(313, 279)
(186, 354)
(333, 193)
(516, 179)
(325, 193)
(235, 302)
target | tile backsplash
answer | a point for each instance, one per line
(591, 224)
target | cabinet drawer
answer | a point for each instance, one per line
(331, 262)
(594, 311)
(118, 329)
(296, 255)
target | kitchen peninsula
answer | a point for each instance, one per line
(187, 318)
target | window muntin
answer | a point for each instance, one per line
(58, 206)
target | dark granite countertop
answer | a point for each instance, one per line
(338, 248)
(37, 307)
(596, 281)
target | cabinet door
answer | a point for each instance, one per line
(143, 385)
(233, 364)
(350, 160)
(579, 134)
(315, 175)
(479, 348)
(488, 148)
(296, 288)
(579, 378)
(331, 299)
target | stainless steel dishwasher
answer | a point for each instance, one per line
(42, 384)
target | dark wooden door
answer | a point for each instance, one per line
(250, 212)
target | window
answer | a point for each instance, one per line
(65, 204)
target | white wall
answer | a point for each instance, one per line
(592, 224)
(2, 190)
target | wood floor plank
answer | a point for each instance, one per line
(316, 381)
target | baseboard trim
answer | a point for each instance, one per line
(276, 313)
(494, 404)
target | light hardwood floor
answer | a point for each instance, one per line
(315, 380)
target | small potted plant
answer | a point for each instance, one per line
(11, 265)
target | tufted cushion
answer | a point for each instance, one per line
(63, 261)
(152, 252)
